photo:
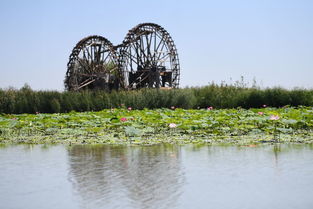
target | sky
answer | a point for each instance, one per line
(270, 41)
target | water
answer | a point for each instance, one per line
(163, 176)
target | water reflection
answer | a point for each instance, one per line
(276, 150)
(262, 176)
(140, 177)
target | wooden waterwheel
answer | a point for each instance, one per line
(149, 58)
(93, 64)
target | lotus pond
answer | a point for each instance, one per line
(176, 126)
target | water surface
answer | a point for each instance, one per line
(162, 176)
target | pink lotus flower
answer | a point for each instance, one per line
(264, 105)
(123, 119)
(172, 125)
(274, 117)
(210, 108)
(37, 113)
(173, 107)
(261, 113)
(129, 108)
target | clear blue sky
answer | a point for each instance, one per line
(269, 40)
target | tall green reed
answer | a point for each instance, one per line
(26, 100)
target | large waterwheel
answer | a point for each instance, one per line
(93, 64)
(149, 58)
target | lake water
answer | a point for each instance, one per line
(163, 176)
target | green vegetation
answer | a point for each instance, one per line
(210, 114)
(128, 126)
(25, 100)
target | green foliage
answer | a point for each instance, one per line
(55, 105)
(147, 126)
(25, 100)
